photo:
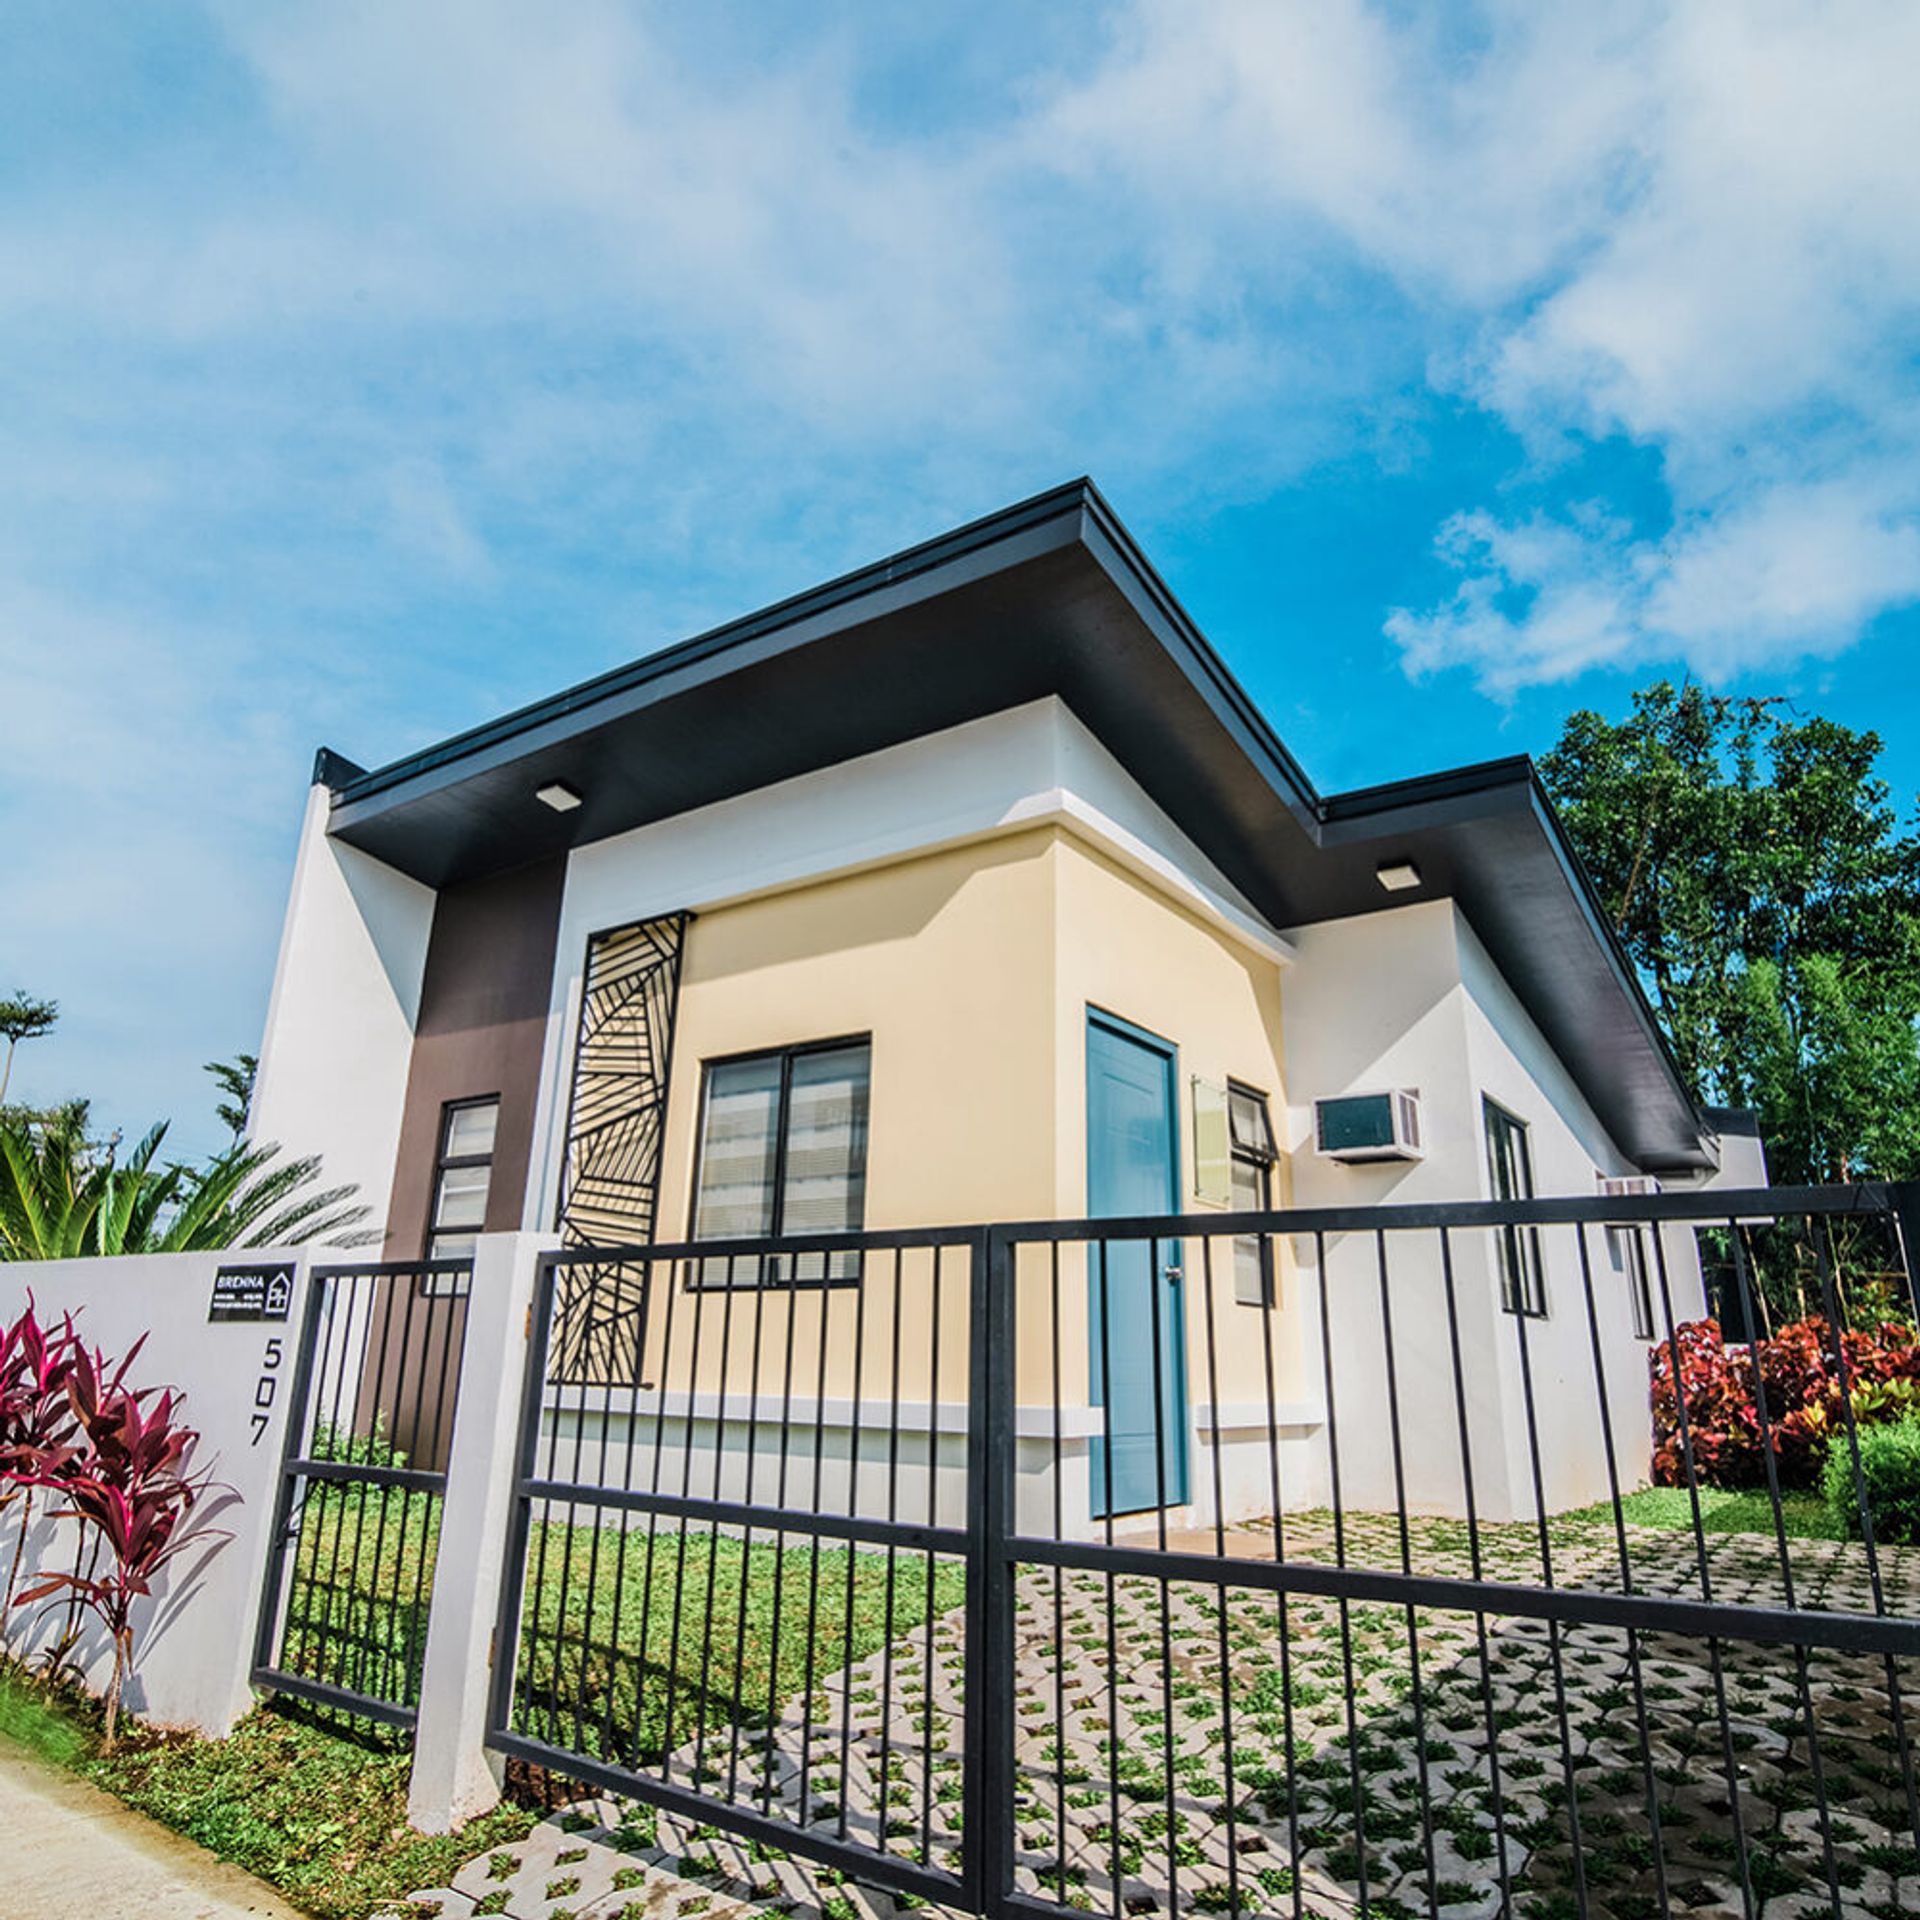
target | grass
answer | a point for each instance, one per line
(30, 1719)
(317, 1811)
(606, 1619)
(606, 1630)
(1804, 1515)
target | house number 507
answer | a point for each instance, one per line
(265, 1388)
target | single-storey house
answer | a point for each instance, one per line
(972, 887)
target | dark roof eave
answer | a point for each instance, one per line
(1108, 635)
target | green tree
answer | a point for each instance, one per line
(1759, 879)
(22, 1017)
(235, 1079)
(62, 1197)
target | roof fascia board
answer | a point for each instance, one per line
(1041, 525)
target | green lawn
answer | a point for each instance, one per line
(600, 1618)
(1805, 1514)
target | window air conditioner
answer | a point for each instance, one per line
(1369, 1126)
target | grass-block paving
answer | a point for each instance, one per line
(1178, 1751)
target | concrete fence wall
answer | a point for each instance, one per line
(194, 1637)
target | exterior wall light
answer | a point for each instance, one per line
(1397, 875)
(558, 795)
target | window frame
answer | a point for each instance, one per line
(834, 1273)
(1627, 1253)
(1262, 1165)
(1523, 1267)
(444, 1283)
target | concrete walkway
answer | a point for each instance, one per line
(71, 1852)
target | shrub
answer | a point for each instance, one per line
(116, 1456)
(350, 1449)
(1719, 1386)
(1890, 1469)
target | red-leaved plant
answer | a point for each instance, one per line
(117, 1456)
(37, 1426)
(1806, 1387)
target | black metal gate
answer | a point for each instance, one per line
(343, 1614)
(812, 1546)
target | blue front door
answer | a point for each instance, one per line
(1134, 1286)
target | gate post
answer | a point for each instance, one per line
(987, 1852)
(454, 1776)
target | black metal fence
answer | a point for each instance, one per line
(1264, 1563)
(741, 1520)
(343, 1616)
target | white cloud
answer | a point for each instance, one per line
(1694, 226)
(432, 356)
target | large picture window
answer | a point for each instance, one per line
(1523, 1285)
(783, 1150)
(1251, 1160)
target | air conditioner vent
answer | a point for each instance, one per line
(1361, 1127)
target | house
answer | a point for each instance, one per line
(971, 887)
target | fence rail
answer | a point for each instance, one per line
(1308, 1561)
(343, 1615)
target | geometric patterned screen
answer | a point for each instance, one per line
(613, 1144)
(620, 1084)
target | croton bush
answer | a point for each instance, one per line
(110, 1457)
(1807, 1384)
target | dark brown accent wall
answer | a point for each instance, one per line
(482, 1027)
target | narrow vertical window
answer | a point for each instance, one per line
(462, 1176)
(783, 1150)
(1252, 1158)
(1523, 1286)
(1627, 1252)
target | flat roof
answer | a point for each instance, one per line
(1051, 596)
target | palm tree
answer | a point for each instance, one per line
(62, 1198)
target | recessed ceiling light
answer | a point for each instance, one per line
(1397, 875)
(559, 796)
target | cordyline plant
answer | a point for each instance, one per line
(1809, 1388)
(116, 1457)
(37, 1425)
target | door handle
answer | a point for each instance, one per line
(1170, 1273)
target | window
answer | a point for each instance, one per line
(461, 1178)
(783, 1150)
(1523, 1286)
(1252, 1157)
(1627, 1253)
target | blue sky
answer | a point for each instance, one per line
(366, 370)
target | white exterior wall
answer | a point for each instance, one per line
(1372, 1003)
(1409, 998)
(346, 996)
(195, 1635)
(1511, 1061)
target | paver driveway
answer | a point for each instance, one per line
(1430, 1756)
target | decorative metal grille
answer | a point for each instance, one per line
(614, 1134)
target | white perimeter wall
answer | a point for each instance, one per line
(194, 1637)
(346, 995)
